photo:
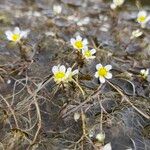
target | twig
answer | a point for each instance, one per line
(83, 93)
(128, 101)
(92, 96)
(39, 118)
(11, 110)
(40, 86)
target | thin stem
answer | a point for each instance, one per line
(11, 110)
(93, 95)
(40, 86)
(83, 93)
(39, 118)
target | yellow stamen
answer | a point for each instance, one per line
(141, 19)
(15, 37)
(79, 44)
(87, 53)
(59, 75)
(102, 72)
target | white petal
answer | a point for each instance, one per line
(96, 75)
(57, 9)
(147, 19)
(102, 79)
(93, 51)
(8, 34)
(108, 67)
(55, 69)
(85, 48)
(136, 33)
(83, 51)
(78, 38)
(109, 75)
(69, 69)
(142, 13)
(24, 34)
(118, 2)
(113, 6)
(143, 71)
(72, 41)
(75, 72)
(147, 71)
(62, 68)
(98, 66)
(85, 42)
(17, 30)
(68, 72)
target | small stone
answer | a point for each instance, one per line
(76, 116)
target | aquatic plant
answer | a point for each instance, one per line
(61, 74)
(16, 35)
(143, 18)
(88, 54)
(79, 43)
(144, 73)
(103, 72)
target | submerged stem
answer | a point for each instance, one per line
(128, 101)
(83, 93)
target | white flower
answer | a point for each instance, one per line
(88, 54)
(16, 35)
(71, 73)
(57, 9)
(136, 33)
(61, 74)
(142, 18)
(103, 72)
(100, 137)
(78, 43)
(116, 3)
(144, 73)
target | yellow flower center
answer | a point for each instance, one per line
(59, 75)
(118, 2)
(87, 53)
(141, 18)
(102, 72)
(15, 37)
(79, 44)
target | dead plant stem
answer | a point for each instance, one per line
(128, 101)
